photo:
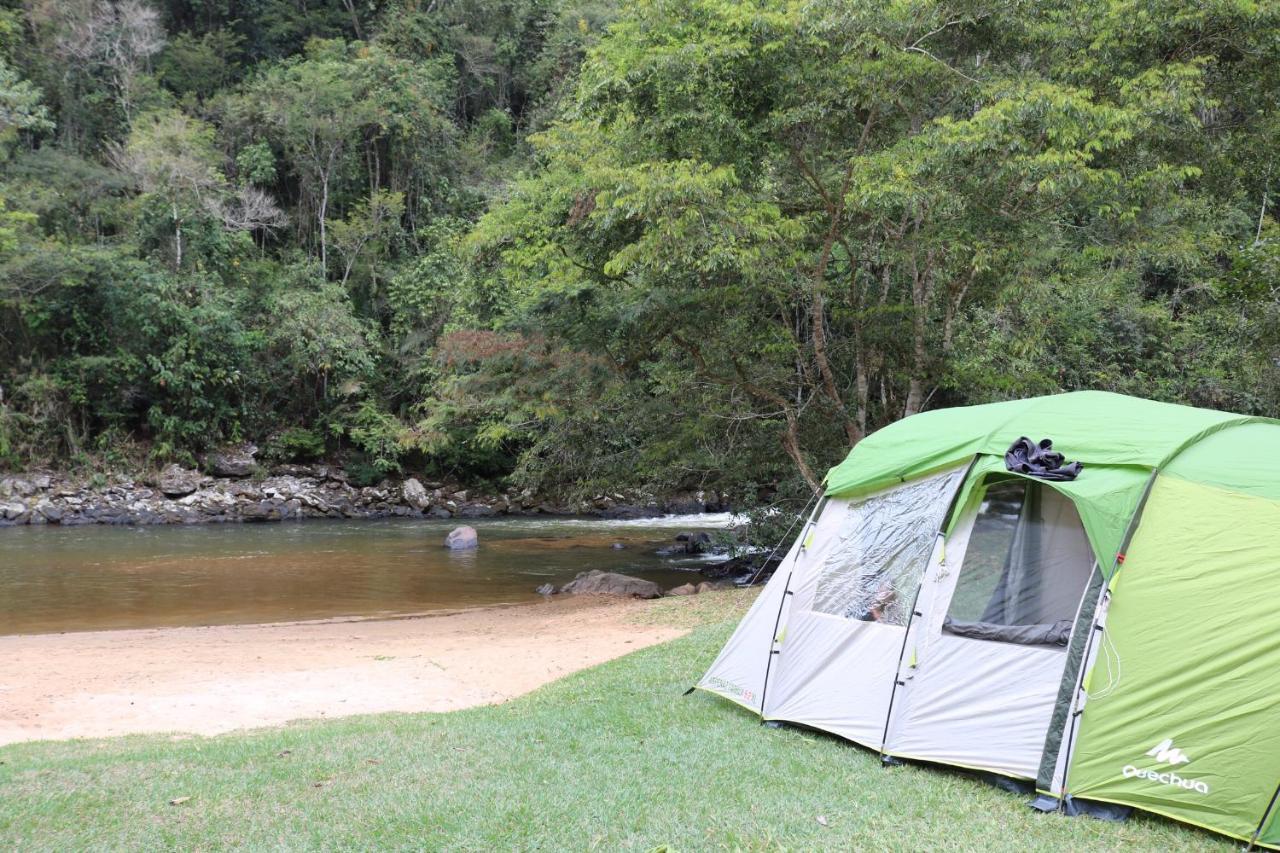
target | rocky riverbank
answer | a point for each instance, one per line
(228, 490)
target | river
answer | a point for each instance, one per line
(93, 578)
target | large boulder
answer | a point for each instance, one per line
(48, 510)
(462, 539)
(688, 543)
(631, 511)
(413, 493)
(16, 487)
(232, 461)
(695, 543)
(261, 511)
(742, 569)
(596, 582)
(686, 504)
(176, 481)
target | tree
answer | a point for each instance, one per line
(20, 105)
(202, 64)
(341, 108)
(367, 226)
(172, 158)
(117, 36)
(800, 205)
(316, 111)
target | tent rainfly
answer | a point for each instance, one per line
(1113, 638)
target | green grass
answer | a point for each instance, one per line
(610, 758)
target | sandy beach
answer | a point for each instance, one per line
(209, 680)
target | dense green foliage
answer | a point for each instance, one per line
(612, 758)
(685, 243)
(235, 220)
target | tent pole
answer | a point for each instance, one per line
(952, 508)
(782, 602)
(1257, 833)
(902, 653)
(1103, 603)
(764, 689)
(756, 577)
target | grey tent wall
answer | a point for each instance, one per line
(906, 638)
(782, 602)
(952, 508)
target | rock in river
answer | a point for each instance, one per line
(596, 582)
(462, 539)
(414, 494)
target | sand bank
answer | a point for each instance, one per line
(216, 679)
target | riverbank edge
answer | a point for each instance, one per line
(295, 492)
(213, 679)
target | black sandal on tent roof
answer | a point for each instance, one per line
(1024, 456)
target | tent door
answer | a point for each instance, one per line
(986, 660)
(852, 599)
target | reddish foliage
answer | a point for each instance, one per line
(474, 346)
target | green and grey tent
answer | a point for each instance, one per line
(1113, 638)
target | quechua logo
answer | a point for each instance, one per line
(1166, 753)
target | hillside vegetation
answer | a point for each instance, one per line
(574, 244)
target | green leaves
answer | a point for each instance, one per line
(708, 230)
(802, 207)
(20, 105)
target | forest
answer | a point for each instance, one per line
(579, 245)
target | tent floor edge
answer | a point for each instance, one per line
(1022, 787)
(1097, 809)
(1046, 803)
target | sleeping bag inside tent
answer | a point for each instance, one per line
(1112, 637)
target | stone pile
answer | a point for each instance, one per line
(234, 489)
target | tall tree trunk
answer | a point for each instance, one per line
(791, 444)
(861, 369)
(818, 319)
(355, 19)
(919, 348)
(955, 302)
(790, 435)
(324, 234)
(177, 238)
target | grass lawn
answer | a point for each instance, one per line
(613, 757)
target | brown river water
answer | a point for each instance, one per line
(93, 578)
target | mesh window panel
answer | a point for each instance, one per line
(1025, 569)
(872, 571)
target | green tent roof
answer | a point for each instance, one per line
(1093, 427)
